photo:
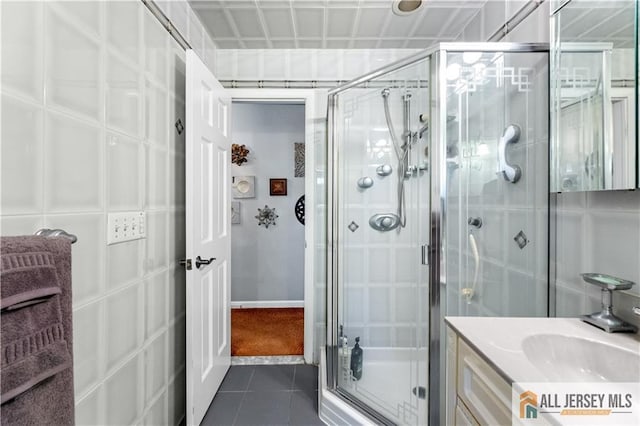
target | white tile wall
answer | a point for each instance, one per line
(302, 64)
(72, 185)
(73, 64)
(597, 232)
(22, 155)
(181, 15)
(22, 54)
(90, 94)
(496, 13)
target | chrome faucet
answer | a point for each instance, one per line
(605, 319)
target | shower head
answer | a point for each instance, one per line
(386, 92)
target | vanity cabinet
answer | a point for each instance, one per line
(476, 393)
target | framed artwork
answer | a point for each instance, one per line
(243, 186)
(235, 212)
(298, 157)
(278, 186)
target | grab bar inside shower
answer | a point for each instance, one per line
(50, 233)
(510, 172)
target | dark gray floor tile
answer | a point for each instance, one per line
(304, 410)
(264, 408)
(223, 409)
(272, 378)
(306, 377)
(237, 378)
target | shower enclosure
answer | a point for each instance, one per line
(437, 205)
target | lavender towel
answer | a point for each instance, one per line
(36, 360)
(27, 278)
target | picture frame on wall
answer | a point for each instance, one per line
(278, 186)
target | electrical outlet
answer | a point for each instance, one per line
(126, 226)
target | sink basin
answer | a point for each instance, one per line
(573, 359)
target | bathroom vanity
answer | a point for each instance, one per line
(486, 355)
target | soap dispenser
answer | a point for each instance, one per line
(344, 352)
(356, 360)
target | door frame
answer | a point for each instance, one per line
(308, 97)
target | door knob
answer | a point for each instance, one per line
(200, 261)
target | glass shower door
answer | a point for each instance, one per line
(381, 184)
(497, 183)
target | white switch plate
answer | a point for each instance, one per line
(126, 226)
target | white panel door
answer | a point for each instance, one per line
(208, 240)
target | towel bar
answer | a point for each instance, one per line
(45, 232)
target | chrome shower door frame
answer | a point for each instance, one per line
(437, 214)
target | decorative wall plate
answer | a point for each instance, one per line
(243, 186)
(299, 209)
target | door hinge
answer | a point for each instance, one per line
(187, 264)
(425, 254)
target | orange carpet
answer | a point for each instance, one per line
(267, 331)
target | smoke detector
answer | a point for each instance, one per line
(405, 7)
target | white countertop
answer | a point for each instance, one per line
(499, 340)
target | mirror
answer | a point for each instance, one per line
(593, 96)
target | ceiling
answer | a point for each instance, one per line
(610, 21)
(331, 24)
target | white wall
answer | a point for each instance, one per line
(597, 232)
(90, 94)
(268, 263)
(302, 64)
(184, 19)
(495, 13)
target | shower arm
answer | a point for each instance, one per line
(406, 99)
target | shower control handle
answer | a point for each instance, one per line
(200, 261)
(476, 222)
(384, 222)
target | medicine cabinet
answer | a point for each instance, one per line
(594, 144)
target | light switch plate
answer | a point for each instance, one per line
(126, 226)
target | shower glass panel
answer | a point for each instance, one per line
(497, 183)
(462, 187)
(382, 136)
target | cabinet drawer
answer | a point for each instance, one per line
(463, 418)
(485, 393)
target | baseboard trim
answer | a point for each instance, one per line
(268, 304)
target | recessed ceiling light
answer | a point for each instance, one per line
(405, 7)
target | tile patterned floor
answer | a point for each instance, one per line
(266, 395)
